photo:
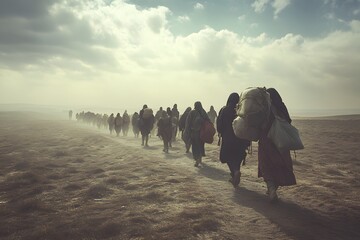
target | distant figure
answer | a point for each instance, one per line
(169, 113)
(164, 130)
(146, 124)
(274, 166)
(135, 124)
(212, 114)
(182, 123)
(111, 123)
(126, 123)
(98, 120)
(233, 149)
(118, 124)
(192, 131)
(175, 121)
(70, 114)
(159, 114)
(105, 123)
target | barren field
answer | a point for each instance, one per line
(62, 179)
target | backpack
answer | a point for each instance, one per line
(253, 111)
(207, 132)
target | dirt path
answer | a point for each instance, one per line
(247, 207)
(65, 180)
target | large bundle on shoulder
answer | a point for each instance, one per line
(148, 113)
(253, 111)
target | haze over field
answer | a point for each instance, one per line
(121, 54)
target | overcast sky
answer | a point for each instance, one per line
(123, 54)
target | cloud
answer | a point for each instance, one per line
(242, 17)
(105, 54)
(184, 18)
(259, 5)
(199, 6)
(279, 5)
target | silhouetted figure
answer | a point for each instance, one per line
(126, 123)
(192, 131)
(159, 114)
(118, 124)
(274, 166)
(111, 123)
(70, 114)
(233, 149)
(135, 124)
(164, 130)
(175, 121)
(169, 113)
(146, 124)
(212, 114)
(182, 123)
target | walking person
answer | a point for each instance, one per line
(175, 115)
(135, 124)
(233, 149)
(164, 130)
(274, 166)
(194, 121)
(125, 123)
(170, 114)
(111, 123)
(146, 124)
(117, 124)
(182, 123)
(212, 114)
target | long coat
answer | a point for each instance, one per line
(232, 147)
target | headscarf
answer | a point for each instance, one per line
(277, 102)
(168, 111)
(198, 107)
(187, 110)
(233, 100)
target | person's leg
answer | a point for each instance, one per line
(234, 167)
(166, 146)
(196, 150)
(187, 145)
(231, 171)
(272, 191)
(202, 149)
(147, 140)
(164, 142)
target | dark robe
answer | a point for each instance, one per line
(164, 128)
(275, 166)
(233, 149)
(193, 124)
(145, 124)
